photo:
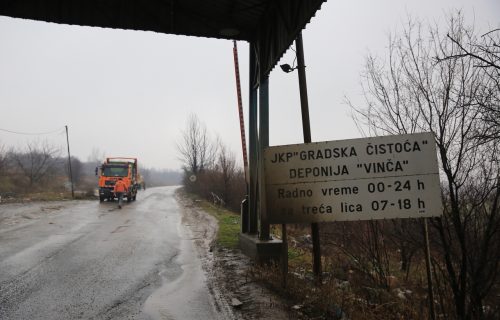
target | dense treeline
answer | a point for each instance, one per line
(161, 177)
(35, 168)
(40, 167)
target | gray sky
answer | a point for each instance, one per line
(129, 93)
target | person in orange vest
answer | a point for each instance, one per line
(120, 189)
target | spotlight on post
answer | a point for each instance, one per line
(286, 68)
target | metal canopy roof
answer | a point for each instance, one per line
(270, 25)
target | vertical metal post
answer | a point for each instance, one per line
(253, 143)
(304, 102)
(306, 128)
(69, 164)
(263, 142)
(429, 271)
(284, 257)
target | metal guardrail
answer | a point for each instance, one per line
(217, 200)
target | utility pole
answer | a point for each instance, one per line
(69, 164)
(306, 128)
(240, 110)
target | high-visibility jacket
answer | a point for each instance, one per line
(120, 186)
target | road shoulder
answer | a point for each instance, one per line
(229, 272)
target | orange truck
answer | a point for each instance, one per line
(113, 169)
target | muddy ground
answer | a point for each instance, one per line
(229, 271)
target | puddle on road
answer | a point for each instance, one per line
(51, 208)
(187, 296)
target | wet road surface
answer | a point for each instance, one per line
(90, 260)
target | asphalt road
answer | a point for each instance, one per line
(90, 260)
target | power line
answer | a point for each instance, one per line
(32, 133)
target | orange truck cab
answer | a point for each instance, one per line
(111, 170)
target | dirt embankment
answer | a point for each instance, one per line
(229, 271)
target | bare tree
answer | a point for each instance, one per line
(211, 164)
(226, 165)
(96, 156)
(36, 162)
(160, 177)
(3, 160)
(196, 151)
(485, 52)
(413, 93)
(4, 169)
(76, 169)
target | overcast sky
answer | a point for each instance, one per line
(129, 93)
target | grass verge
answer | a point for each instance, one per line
(229, 222)
(346, 292)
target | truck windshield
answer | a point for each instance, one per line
(115, 171)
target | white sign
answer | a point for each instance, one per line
(358, 179)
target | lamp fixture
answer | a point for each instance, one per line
(286, 68)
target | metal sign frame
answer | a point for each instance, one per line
(357, 179)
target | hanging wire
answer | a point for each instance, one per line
(294, 59)
(32, 133)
